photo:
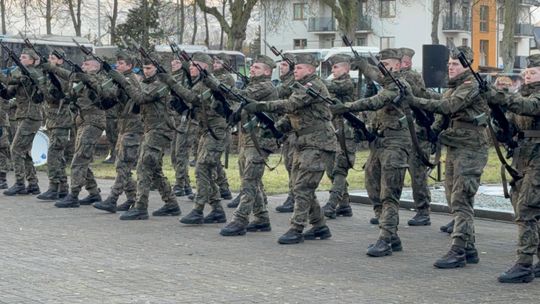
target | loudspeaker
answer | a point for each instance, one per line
(434, 65)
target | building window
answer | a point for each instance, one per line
(484, 18)
(500, 14)
(387, 42)
(299, 43)
(299, 11)
(484, 52)
(388, 8)
(465, 42)
(361, 41)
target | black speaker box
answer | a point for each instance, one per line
(434, 65)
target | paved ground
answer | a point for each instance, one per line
(83, 255)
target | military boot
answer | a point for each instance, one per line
(109, 204)
(69, 201)
(33, 189)
(91, 198)
(217, 215)
(345, 211)
(288, 205)
(134, 214)
(63, 190)
(322, 232)
(50, 195)
(519, 273)
(421, 218)
(3, 182)
(178, 191)
(191, 196)
(381, 248)
(17, 188)
(375, 220)
(259, 225)
(292, 236)
(448, 228)
(233, 228)
(125, 205)
(453, 259)
(329, 211)
(225, 194)
(195, 217)
(471, 254)
(171, 209)
(536, 270)
(235, 202)
(395, 243)
(188, 190)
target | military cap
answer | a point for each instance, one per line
(154, 56)
(88, 58)
(202, 57)
(407, 52)
(266, 60)
(289, 56)
(30, 52)
(306, 59)
(123, 55)
(223, 58)
(467, 51)
(339, 58)
(533, 61)
(390, 54)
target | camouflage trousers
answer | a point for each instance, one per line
(308, 168)
(150, 169)
(127, 148)
(253, 198)
(12, 129)
(384, 176)
(287, 151)
(111, 131)
(525, 198)
(181, 146)
(56, 161)
(464, 168)
(85, 146)
(339, 191)
(5, 155)
(419, 178)
(209, 156)
(221, 174)
(21, 147)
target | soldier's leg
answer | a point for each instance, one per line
(221, 174)
(20, 149)
(287, 151)
(181, 163)
(4, 158)
(170, 208)
(448, 185)
(56, 162)
(111, 132)
(372, 173)
(421, 195)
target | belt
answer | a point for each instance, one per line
(392, 133)
(466, 125)
(310, 129)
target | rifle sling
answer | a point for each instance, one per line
(255, 141)
(414, 138)
(513, 172)
(340, 134)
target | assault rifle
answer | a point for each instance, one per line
(54, 79)
(104, 64)
(18, 63)
(245, 79)
(357, 56)
(74, 67)
(176, 51)
(280, 54)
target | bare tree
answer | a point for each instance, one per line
(180, 19)
(207, 31)
(507, 48)
(113, 19)
(436, 11)
(346, 13)
(74, 7)
(3, 13)
(222, 33)
(194, 23)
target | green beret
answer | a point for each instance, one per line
(306, 59)
(407, 52)
(465, 50)
(339, 58)
(390, 54)
(533, 61)
(266, 60)
(224, 58)
(30, 52)
(202, 57)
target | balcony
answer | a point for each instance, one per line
(456, 24)
(321, 24)
(529, 2)
(524, 30)
(364, 24)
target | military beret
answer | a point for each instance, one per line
(533, 61)
(30, 52)
(202, 57)
(224, 58)
(407, 52)
(306, 59)
(289, 56)
(467, 51)
(390, 54)
(88, 58)
(154, 56)
(339, 58)
(123, 55)
(266, 60)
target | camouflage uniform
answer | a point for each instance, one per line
(4, 143)
(112, 130)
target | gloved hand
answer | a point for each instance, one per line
(166, 78)
(235, 117)
(339, 108)
(47, 66)
(359, 64)
(118, 78)
(106, 66)
(255, 107)
(211, 82)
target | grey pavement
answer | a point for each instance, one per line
(83, 255)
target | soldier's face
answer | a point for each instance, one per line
(122, 66)
(340, 69)
(392, 64)
(55, 60)
(149, 70)
(218, 65)
(193, 71)
(302, 70)
(176, 65)
(259, 69)
(283, 68)
(455, 68)
(532, 75)
(90, 66)
(406, 62)
(26, 60)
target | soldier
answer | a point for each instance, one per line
(158, 132)
(286, 76)
(130, 129)
(255, 146)
(467, 152)
(314, 149)
(526, 159)
(111, 131)
(59, 123)
(387, 161)
(4, 143)
(28, 94)
(341, 88)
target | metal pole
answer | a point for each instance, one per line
(99, 22)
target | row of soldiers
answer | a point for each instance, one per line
(317, 139)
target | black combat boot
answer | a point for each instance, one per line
(134, 214)
(91, 198)
(178, 191)
(519, 273)
(453, 259)
(171, 209)
(188, 190)
(225, 194)
(69, 201)
(471, 254)
(33, 189)
(329, 211)
(292, 236)
(322, 232)
(235, 202)
(63, 190)
(217, 215)
(17, 188)
(109, 204)
(421, 218)
(288, 205)
(536, 270)
(50, 195)
(259, 225)
(191, 196)
(380, 248)
(195, 217)
(233, 228)
(375, 220)
(448, 228)
(345, 211)
(3, 182)
(395, 242)
(125, 205)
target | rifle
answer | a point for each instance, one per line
(104, 64)
(357, 56)
(176, 51)
(280, 54)
(18, 63)
(264, 118)
(244, 78)
(74, 67)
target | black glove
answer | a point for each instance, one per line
(106, 67)
(211, 82)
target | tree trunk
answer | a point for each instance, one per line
(113, 19)
(3, 12)
(222, 33)
(207, 31)
(435, 22)
(182, 23)
(145, 12)
(48, 16)
(75, 13)
(194, 23)
(507, 49)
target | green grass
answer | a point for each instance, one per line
(276, 181)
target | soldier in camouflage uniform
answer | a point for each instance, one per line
(4, 143)
(467, 153)
(130, 130)
(526, 159)
(341, 88)
(59, 123)
(152, 101)
(314, 149)
(389, 153)
(255, 146)
(286, 77)
(112, 132)
(28, 94)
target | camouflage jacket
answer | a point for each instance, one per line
(342, 88)
(180, 119)
(524, 110)
(309, 118)
(128, 120)
(284, 88)
(57, 113)
(4, 109)
(20, 88)
(225, 77)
